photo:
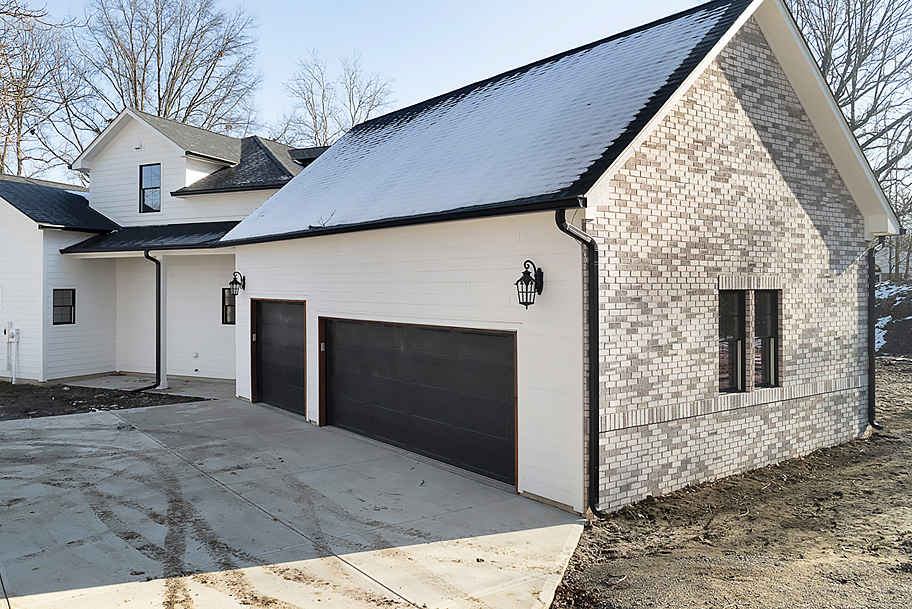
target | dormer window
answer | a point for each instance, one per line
(149, 188)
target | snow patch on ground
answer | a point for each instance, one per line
(887, 289)
(880, 333)
(894, 317)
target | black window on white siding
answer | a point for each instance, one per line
(149, 188)
(229, 307)
(64, 307)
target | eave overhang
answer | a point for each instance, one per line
(189, 191)
(486, 211)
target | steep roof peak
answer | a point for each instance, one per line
(195, 140)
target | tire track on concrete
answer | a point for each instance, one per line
(313, 504)
(5, 595)
(284, 523)
(182, 520)
(376, 540)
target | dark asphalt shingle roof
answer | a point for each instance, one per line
(305, 155)
(283, 154)
(54, 204)
(263, 164)
(196, 140)
(164, 237)
(537, 137)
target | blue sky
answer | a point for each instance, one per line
(425, 48)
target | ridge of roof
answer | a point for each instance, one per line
(423, 105)
(309, 153)
(260, 168)
(5, 177)
(272, 155)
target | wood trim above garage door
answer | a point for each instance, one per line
(448, 393)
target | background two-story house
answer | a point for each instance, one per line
(75, 281)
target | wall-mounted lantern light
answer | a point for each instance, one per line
(530, 284)
(237, 283)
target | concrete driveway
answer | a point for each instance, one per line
(227, 504)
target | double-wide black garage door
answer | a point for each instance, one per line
(445, 393)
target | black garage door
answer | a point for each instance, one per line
(445, 393)
(280, 354)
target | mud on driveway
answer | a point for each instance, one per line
(833, 529)
(28, 401)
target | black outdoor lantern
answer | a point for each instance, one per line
(529, 284)
(237, 283)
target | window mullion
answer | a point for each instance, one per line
(749, 339)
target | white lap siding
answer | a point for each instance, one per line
(20, 289)
(114, 188)
(457, 274)
(87, 346)
(135, 315)
(198, 344)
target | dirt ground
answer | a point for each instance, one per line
(833, 529)
(24, 401)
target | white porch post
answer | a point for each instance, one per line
(163, 384)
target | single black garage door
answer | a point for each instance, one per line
(280, 354)
(445, 393)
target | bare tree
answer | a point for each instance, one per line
(325, 107)
(77, 120)
(864, 49)
(899, 248)
(13, 10)
(186, 60)
(29, 66)
(27, 75)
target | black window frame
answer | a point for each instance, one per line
(732, 342)
(229, 308)
(143, 208)
(70, 308)
(766, 339)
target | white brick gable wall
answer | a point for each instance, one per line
(733, 190)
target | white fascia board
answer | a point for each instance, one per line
(83, 162)
(787, 43)
(673, 100)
